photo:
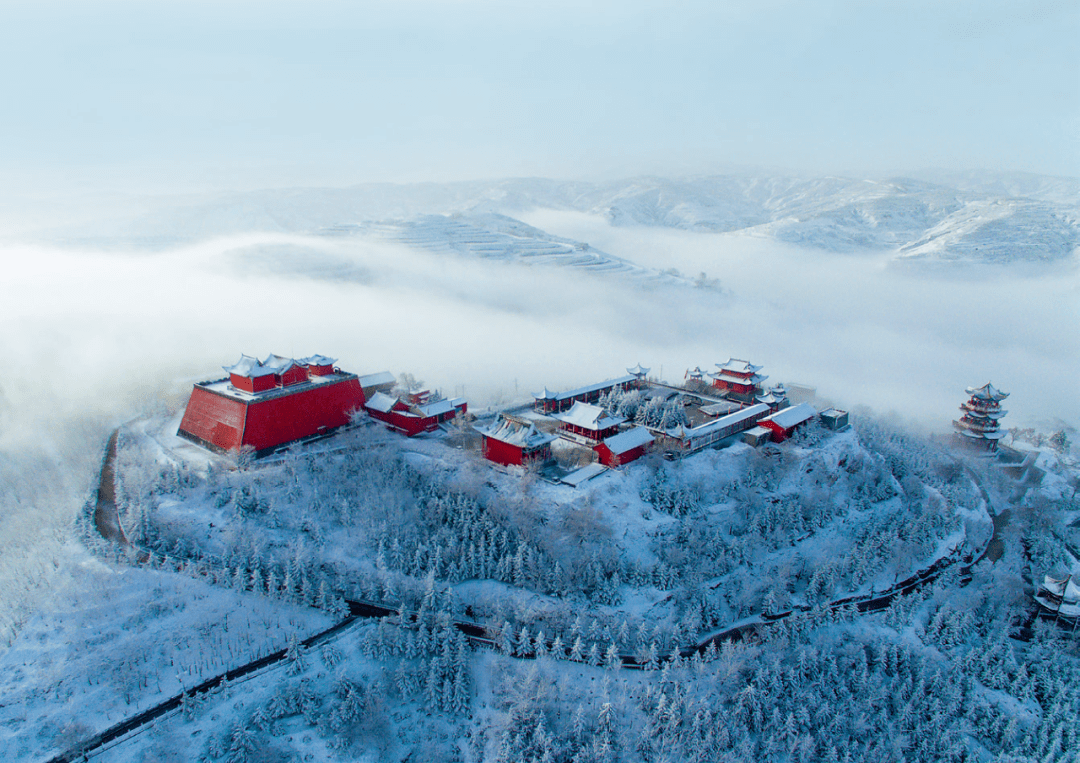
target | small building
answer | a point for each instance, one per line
(264, 405)
(980, 425)
(556, 402)
(757, 436)
(624, 447)
(587, 423)
(411, 419)
(514, 441)
(776, 398)
(1059, 597)
(783, 423)
(639, 372)
(834, 419)
(380, 382)
(739, 379)
(712, 432)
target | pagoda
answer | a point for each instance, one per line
(982, 412)
(739, 379)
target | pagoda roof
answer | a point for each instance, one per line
(987, 392)
(695, 372)
(279, 363)
(739, 366)
(253, 368)
(589, 416)
(733, 378)
(318, 360)
(517, 432)
(638, 370)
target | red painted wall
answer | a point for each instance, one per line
(294, 375)
(607, 458)
(501, 452)
(214, 419)
(779, 434)
(227, 424)
(304, 413)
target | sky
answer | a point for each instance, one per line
(171, 96)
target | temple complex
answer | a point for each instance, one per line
(980, 424)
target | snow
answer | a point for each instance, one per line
(381, 402)
(378, 379)
(589, 416)
(628, 440)
(793, 416)
(584, 474)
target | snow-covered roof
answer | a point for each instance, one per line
(318, 360)
(628, 440)
(589, 416)
(720, 409)
(440, 407)
(793, 416)
(516, 432)
(249, 367)
(987, 392)
(770, 398)
(381, 402)
(724, 421)
(739, 366)
(758, 431)
(695, 373)
(376, 380)
(638, 370)
(279, 363)
(549, 395)
(833, 412)
(733, 379)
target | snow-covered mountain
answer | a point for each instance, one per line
(955, 218)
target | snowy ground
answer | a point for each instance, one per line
(116, 640)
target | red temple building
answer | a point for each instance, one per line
(555, 402)
(739, 378)
(588, 423)
(410, 418)
(783, 423)
(624, 447)
(265, 405)
(513, 441)
(980, 424)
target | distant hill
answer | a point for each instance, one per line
(963, 218)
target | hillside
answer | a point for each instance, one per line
(975, 219)
(634, 568)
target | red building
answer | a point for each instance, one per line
(783, 423)
(513, 441)
(412, 419)
(625, 447)
(554, 402)
(980, 424)
(264, 405)
(739, 378)
(589, 423)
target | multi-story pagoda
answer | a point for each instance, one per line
(739, 379)
(980, 424)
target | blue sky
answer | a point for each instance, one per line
(242, 94)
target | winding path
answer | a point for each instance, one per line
(107, 522)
